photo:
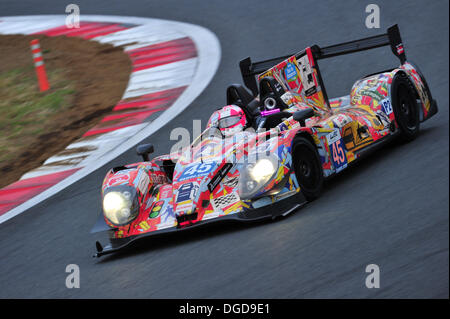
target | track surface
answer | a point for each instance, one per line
(391, 210)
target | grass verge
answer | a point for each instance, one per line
(25, 111)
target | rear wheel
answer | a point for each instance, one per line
(406, 109)
(308, 168)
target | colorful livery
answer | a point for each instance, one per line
(294, 138)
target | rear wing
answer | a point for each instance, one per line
(250, 69)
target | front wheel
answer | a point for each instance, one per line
(308, 168)
(406, 109)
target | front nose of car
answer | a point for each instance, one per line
(190, 189)
(188, 201)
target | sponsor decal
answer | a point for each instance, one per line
(290, 72)
(143, 183)
(158, 178)
(196, 170)
(287, 97)
(333, 137)
(211, 215)
(386, 106)
(373, 94)
(219, 176)
(167, 224)
(222, 202)
(306, 75)
(307, 122)
(278, 87)
(118, 179)
(156, 210)
(338, 155)
(283, 126)
(184, 206)
(340, 120)
(187, 192)
(165, 191)
(268, 73)
(231, 181)
(144, 226)
(383, 118)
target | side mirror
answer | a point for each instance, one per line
(301, 116)
(144, 150)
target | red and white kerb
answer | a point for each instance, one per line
(39, 65)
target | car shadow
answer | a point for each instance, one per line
(149, 244)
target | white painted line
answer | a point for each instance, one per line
(101, 145)
(208, 51)
(160, 78)
(141, 36)
(23, 26)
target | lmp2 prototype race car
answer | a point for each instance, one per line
(268, 151)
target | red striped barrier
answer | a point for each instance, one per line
(22, 190)
(130, 111)
(39, 65)
(162, 53)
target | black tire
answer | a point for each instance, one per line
(405, 107)
(307, 167)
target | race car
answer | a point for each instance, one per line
(268, 152)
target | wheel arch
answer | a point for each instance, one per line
(423, 94)
(403, 77)
(402, 73)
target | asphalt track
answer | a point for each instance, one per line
(391, 210)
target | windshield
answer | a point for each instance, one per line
(211, 133)
(211, 144)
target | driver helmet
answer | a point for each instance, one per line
(230, 120)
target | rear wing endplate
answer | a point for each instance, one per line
(250, 69)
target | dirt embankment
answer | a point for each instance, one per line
(97, 75)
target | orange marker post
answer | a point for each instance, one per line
(39, 64)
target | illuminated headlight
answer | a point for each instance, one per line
(254, 176)
(262, 170)
(120, 206)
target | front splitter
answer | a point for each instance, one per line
(271, 211)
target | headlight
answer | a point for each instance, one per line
(253, 177)
(120, 205)
(262, 170)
